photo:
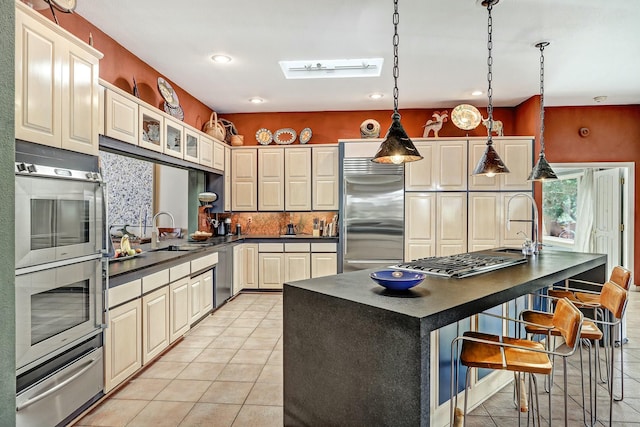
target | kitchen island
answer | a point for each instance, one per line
(356, 354)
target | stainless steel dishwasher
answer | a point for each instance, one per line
(223, 274)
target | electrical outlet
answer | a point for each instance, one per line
(249, 220)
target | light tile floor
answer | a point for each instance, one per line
(227, 371)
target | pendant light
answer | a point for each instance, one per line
(542, 170)
(490, 163)
(397, 147)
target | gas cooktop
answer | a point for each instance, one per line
(461, 265)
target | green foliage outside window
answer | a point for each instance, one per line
(559, 204)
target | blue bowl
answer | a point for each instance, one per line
(397, 280)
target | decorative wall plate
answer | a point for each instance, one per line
(167, 92)
(176, 112)
(305, 135)
(466, 117)
(264, 136)
(370, 129)
(285, 136)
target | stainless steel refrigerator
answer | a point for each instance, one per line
(372, 213)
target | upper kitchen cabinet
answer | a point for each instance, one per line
(244, 180)
(270, 179)
(151, 129)
(325, 177)
(56, 85)
(218, 155)
(516, 153)
(297, 190)
(444, 167)
(120, 118)
(227, 179)
(191, 146)
(206, 151)
(174, 138)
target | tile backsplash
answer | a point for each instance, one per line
(275, 223)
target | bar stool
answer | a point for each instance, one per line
(612, 298)
(591, 299)
(480, 350)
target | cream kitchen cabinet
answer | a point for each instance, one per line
(227, 179)
(443, 168)
(271, 179)
(191, 145)
(151, 129)
(324, 259)
(488, 220)
(270, 265)
(218, 155)
(516, 153)
(173, 138)
(179, 309)
(297, 182)
(245, 267)
(485, 218)
(244, 180)
(56, 85)
(121, 117)
(451, 223)
(420, 225)
(155, 323)
(123, 343)
(297, 261)
(201, 289)
(206, 151)
(325, 176)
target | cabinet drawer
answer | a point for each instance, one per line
(296, 247)
(179, 271)
(125, 292)
(204, 262)
(270, 247)
(155, 280)
(324, 247)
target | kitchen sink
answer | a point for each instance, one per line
(508, 250)
(175, 248)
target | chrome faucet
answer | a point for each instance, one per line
(155, 239)
(536, 242)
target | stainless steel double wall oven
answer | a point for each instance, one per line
(60, 286)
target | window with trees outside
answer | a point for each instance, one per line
(559, 204)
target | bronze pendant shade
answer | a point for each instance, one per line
(397, 147)
(490, 163)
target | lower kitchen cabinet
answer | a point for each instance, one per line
(250, 253)
(297, 266)
(201, 295)
(238, 269)
(122, 343)
(271, 266)
(324, 264)
(179, 309)
(420, 226)
(155, 323)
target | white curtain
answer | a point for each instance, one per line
(584, 241)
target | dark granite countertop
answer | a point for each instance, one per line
(439, 299)
(152, 260)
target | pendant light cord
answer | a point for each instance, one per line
(542, 46)
(396, 70)
(490, 73)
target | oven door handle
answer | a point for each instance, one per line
(84, 368)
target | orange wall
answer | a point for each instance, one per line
(615, 130)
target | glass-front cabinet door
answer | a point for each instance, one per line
(151, 129)
(174, 133)
(191, 146)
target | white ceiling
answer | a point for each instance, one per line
(595, 50)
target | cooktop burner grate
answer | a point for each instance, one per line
(461, 265)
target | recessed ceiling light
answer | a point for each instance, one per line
(600, 98)
(256, 100)
(221, 59)
(332, 68)
(476, 93)
(376, 96)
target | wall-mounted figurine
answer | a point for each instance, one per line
(436, 124)
(497, 126)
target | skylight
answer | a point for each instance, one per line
(332, 68)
